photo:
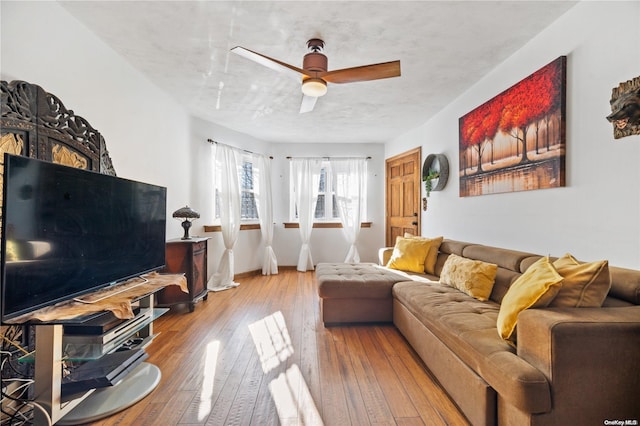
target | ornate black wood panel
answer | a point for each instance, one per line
(36, 123)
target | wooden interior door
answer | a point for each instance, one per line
(403, 180)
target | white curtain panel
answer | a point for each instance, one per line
(306, 180)
(226, 159)
(265, 213)
(350, 179)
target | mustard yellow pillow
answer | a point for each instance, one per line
(536, 288)
(432, 254)
(585, 285)
(409, 254)
(473, 277)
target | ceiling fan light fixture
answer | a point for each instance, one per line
(315, 87)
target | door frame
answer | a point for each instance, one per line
(417, 190)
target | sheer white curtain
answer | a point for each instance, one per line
(306, 180)
(226, 160)
(265, 214)
(350, 180)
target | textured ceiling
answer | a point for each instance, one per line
(444, 47)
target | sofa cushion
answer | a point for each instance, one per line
(472, 277)
(468, 327)
(409, 254)
(584, 285)
(536, 288)
(361, 280)
(625, 284)
(504, 279)
(453, 247)
(505, 258)
(446, 310)
(508, 261)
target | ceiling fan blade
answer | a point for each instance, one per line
(363, 73)
(308, 102)
(268, 62)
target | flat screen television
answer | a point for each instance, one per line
(67, 232)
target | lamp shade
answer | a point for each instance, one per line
(315, 87)
(186, 212)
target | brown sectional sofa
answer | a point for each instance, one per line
(570, 365)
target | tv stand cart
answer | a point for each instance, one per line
(95, 403)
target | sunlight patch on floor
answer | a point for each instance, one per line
(209, 374)
(289, 390)
(271, 337)
(293, 400)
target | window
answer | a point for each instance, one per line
(248, 172)
(326, 206)
(248, 208)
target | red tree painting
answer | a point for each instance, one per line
(523, 128)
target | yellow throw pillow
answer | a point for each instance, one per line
(432, 255)
(473, 277)
(409, 254)
(585, 285)
(536, 288)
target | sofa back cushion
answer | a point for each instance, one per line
(448, 247)
(453, 247)
(625, 283)
(504, 279)
(508, 259)
(528, 261)
(508, 262)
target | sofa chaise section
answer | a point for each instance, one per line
(356, 293)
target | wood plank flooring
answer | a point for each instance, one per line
(260, 355)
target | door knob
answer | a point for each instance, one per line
(414, 223)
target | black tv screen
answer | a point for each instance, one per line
(66, 232)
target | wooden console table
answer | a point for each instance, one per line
(190, 258)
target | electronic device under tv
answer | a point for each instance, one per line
(67, 232)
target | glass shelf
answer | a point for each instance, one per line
(90, 347)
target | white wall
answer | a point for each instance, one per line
(146, 133)
(597, 215)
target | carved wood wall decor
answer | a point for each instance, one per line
(44, 125)
(625, 109)
(36, 124)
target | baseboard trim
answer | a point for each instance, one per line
(259, 271)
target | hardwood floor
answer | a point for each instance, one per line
(260, 355)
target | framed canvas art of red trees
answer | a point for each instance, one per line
(516, 140)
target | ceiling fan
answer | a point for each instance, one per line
(315, 75)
